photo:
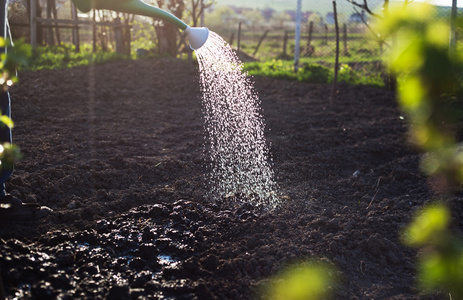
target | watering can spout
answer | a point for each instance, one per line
(197, 36)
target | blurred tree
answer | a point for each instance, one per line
(268, 13)
(316, 18)
(222, 17)
(253, 18)
(280, 19)
(167, 33)
(18, 14)
(197, 9)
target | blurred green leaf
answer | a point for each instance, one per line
(306, 281)
(430, 223)
(430, 86)
(7, 121)
(15, 58)
(9, 155)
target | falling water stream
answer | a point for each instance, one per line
(237, 152)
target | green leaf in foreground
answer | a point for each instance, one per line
(441, 263)
(6, 121)
(310, 280)
(9, 155)
(429, 225)
(12, 60)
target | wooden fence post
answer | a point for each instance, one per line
(50, 35)
(309, 39)
(239, 37)
(310, 49)
(285, 44)
(344, 29)
(297, 39)
(55, 16)
(326, 33)
(75, 29)
(128, 38)
(33, 22)
(94, 30)
(118, 36)
(232, 37)
(260, 42)
(37, 22)
(336, 63)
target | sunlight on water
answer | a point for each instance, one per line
(234, 128)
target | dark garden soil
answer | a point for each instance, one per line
(116, 150)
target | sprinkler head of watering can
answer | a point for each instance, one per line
(197, 36)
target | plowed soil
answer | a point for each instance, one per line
(116, 150)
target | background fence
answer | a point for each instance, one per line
(57, 22)
(268, 31)
(358, 41)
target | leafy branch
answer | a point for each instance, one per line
(10, 61)
(429, 90)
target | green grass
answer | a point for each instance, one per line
(359, 62)
(64, 56)
(312, 69)
(314, 73)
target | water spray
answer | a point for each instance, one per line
(240, 167)
(196, 35)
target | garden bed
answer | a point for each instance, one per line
(116, 150)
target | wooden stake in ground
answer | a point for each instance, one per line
(50, 36)
(297, 48)
(239, 38)
(260, 42)
(75, 29)
(55, 15)
(285, 45)
(310, 49)
(326, 34)
(344, 29)
(94, 30)
(336, 63)
(33, 22)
